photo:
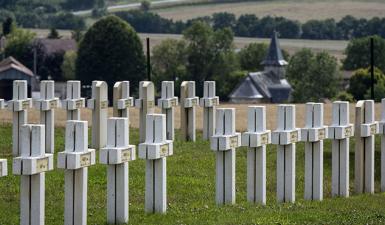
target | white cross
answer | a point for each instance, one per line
(313, 135)
(73, 102)
(155, 150)
(167, 103)
(3, 168)
(116, 155)
(99, 106)
(256, 138)
(46, 105)
(224, 142)
(339, 131)
(31, 165)
(75, 160)
(145, 103)
(365, 129)
(285, 137)
(209, 103)
(382, 132)
(188, 103)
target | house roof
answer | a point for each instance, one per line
(12, 63)
(56, 45)
(274, 56)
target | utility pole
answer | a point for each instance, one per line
(148, 59)
(372, 66)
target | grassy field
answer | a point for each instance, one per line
(301, 10)
(191, 191)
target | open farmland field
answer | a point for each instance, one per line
(292, 9)
(191, 186)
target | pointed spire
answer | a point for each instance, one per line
(274, 57)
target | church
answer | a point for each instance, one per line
(267, 86)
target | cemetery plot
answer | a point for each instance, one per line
(155, 150)
(167, 103)
(145, 103)
(256, 138)
(313, 135)
(73, 102)
(224, 142)
(75, 160)
(31, 165)
(285, 137)
(188, 103)
(340, 131)
(46, 105)
(365, 129)
(116, 155)
(99, 106)
(19, 105)
(122, 102)
(209, 103)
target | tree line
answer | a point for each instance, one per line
(249, 25)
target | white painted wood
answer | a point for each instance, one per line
(155, 149)
(167, 103)
(32, 184)
(75, 160)
(187, 110)
(285, 136)
(73, 102)
(209, 103)
(224, 142)
(340, 131)
(366, 128)
(313, 135)
(116, 155)
(19, 105)
(256, 138)
(99, 106)
(146, 105)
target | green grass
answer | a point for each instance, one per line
(191, 191)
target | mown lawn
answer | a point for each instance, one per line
(191, 191)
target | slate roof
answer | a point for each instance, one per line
(262, 85)
(274, 56)
(12, 63)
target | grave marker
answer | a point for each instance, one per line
(2, 104)
(285, 136)
(188, 104)
(99, 106)
(366, 127)
(46, 105)
(209, 103)
(75, 160)
(167, 103)
(340, 131)
(313, 135)
(3, 168)
(31, 165)
(116, 155)
(122, 101)
(256, 138)
(19, 105)
(382, 132)
(154, 150)
(73, 102)
(224, 142)
(145, 103)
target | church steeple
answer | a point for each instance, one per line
(274, 57)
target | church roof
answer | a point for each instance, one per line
(274, 57)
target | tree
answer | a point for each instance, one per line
(100, 9)
(319, 29)
(223, 20)
(8, 26)
(312, 76)
(111, 51)
(169, 60)
(251, 56)
(358, 53)
(245, 25)
(360, 82)
(145, 5)
(68, 66)
(53, 34)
